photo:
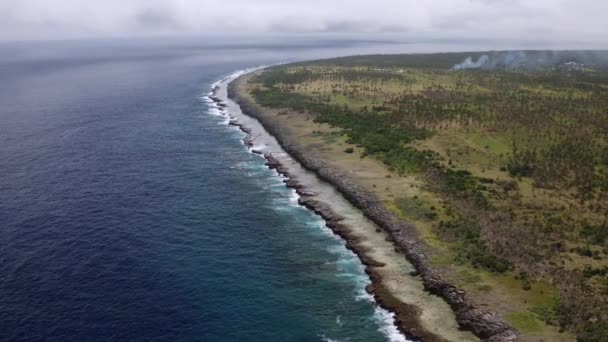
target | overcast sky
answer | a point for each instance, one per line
(543, 20)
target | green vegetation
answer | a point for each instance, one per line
(524, 321)
(518, 159)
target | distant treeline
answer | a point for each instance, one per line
(593, 58)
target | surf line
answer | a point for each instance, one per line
(387, 306)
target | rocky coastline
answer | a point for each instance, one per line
(483, 323)
(405, 315)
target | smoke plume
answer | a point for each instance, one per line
(535, 60)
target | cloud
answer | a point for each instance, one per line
(156, 19)
(552, 20)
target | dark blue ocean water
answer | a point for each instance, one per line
(128, 212)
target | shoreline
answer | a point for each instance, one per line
(402, 236)
(404, 316)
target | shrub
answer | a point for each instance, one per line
(594, 331)
(595, 234)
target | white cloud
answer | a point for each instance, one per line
(554, 20)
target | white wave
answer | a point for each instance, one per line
(362, 294)
(277, 181)
(255, 154)
(327, 339)
(214, 111)
(387, 327)
(293, 197)
(339, 250)
(242, 165)
(320, 224)
(226, 121)
(217, 84)
(227, 79)
(280, 205)
(384, 319)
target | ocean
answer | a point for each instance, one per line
(130, 210)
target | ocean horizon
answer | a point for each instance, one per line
(132, 210)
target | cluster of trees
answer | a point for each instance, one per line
(558, 122)
(387, 136)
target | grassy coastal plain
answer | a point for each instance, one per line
(503, 171)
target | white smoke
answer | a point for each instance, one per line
(469, 64)
(512, 60)
(536, 60)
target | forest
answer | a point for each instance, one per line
(516, 151)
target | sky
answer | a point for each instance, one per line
(582, 21)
